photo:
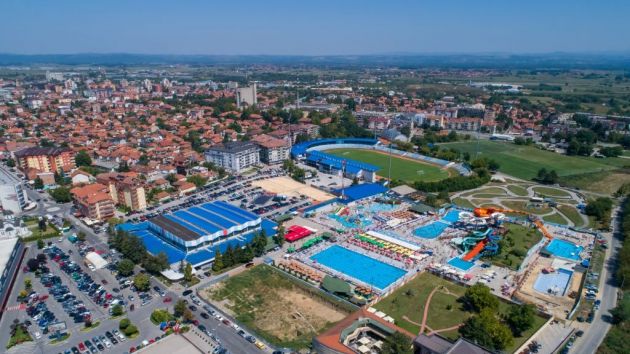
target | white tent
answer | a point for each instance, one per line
(96, 260)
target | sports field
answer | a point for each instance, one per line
(525, 161)
(404, 169)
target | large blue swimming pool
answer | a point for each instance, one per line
(564, 249)
(452, 216)
(430, 230)
(363, 268)
(553, 283)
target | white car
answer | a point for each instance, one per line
(37, 335)
(91, 267)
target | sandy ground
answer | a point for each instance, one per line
(287, 186)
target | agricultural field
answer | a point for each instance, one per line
(404, 169)
(278, 308)
(406, 306)
(607, 182)
(524, 161)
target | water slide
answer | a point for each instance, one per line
(543, 229)
(480, 241)
(475, 251)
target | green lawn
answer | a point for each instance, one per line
(515, 244)
(555, 218)
(551, 192)
(525, 161)
(403, 169)
(518, 190)
(445, 310)
(463, 202)
(606, 182)
(526, 207)
(572, 213)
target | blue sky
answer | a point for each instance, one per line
(312, 27)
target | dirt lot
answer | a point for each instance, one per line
(287, 186)
(276, 307)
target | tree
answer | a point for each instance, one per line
(279, 237)
(142, 282)
(41, 258)
(28, 283)
(38, 183)
(82, 158)
(621, 313)
(397, 343)
(40, 243)
(188, 275)
(217, 265)
(179, 308)
(125, 267)
(61, 194)
(521, 318)
(32, 264)
(188, 316)
(130, 330)
(81, 236)
(123, 324)
(486, 330)
(42, 224)
(197, 180)
(117, 310)
(479, 297)
(10, 163)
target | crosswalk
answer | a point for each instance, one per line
(19, 307)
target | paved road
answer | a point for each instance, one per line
(595, 333)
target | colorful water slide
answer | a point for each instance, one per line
(475, 251)
(543, 229)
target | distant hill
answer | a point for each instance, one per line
(506, 61)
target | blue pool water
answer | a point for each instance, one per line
(461, 264)
(431, 230)
(452, 216)
(564, 249)
(380, 207)
(553, 283)
(350, 225)
(364, 268)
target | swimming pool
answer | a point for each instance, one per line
(350, 225)
(452, 216)
(364, 268)
(431, 230)
(564, 249)
(554, 283)
(461, 264)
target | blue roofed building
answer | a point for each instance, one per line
(360, 191)
(193, 234)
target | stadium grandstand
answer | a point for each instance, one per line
(311, 152)
(195, 233)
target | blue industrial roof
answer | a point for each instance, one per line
(361, 191)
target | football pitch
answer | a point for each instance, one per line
(525, 161)
(404, 169)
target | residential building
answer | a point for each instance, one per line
(45, 159)
(272, 150)
(125, 189)
(94, 201)
(234, 156)
(246, 95)
(435, 344)
(12, 194)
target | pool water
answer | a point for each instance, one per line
(554, 283)
(452, 216)
(461, 264)
(564, 249)
(351, 225)
(431, 230)
(366, 269)
(380, 207)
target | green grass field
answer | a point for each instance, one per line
(525, 161)
(515, 245)
(403, 169)
(551, 192)
(445, 309)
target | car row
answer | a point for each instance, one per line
(98, 343)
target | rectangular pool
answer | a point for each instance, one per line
(452, 216)
(461, 264)
(564, 249)
(358, 266)
(554, 283)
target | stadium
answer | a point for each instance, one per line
(195, 233)
(367, 158)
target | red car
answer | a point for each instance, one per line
(43, 297)
(167, 299)
(82, 347)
